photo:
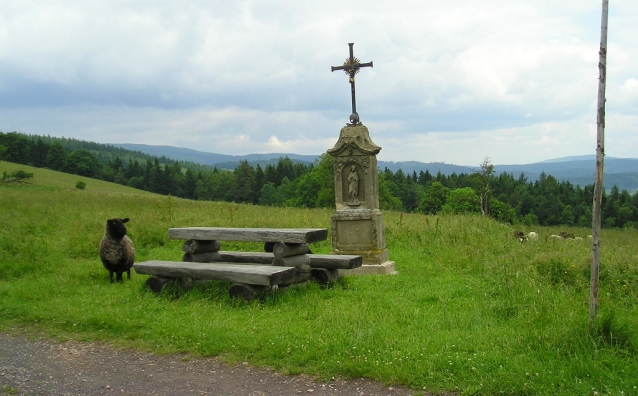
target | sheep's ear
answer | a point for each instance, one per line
(125, 220)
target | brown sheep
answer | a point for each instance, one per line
(116, 249)
(520, 235)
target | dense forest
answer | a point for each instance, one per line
(545, 201)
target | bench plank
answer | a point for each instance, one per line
(240, 273)
(331, 261)
(335, 261)
(287, 235)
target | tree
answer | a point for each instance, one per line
(314, 189)
(82, 162)
(156, 177)
(501, 211)
(387, 201)
(243, 190)
(269, 195)
(484, 178)
(462, 200)
(530, 219)
(190, 184)
(201, 192)
(260, 178)
(324, 171)
(567, 217)
(17, 147)
(433, 198)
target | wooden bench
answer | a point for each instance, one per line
(286, 260)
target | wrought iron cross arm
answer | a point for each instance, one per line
(351, 66)
(369, 64)
(348, 68)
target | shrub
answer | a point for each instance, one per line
(80, 185)
(18, 176)
(462, 201)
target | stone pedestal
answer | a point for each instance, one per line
(357, 225)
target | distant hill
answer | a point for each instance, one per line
(622, 172)
(578, 170)
(408, 167)
(223, 161)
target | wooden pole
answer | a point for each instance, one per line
(600, 156)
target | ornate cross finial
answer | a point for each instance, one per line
(351, 66)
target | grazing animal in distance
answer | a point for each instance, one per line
(532, 236)
(520, 235)
(565, 235)
(116, 249)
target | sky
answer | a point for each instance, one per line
(454, 81)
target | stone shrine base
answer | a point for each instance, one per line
(360, 232)
(387, 268)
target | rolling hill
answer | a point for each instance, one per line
(578, 170)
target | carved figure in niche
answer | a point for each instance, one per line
(353, 184)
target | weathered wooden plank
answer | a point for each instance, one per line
(230, 257)
(207, 257)
(325, 276)
(288, 235)
(195, 246)
(292, 261)
(247, 257)
(240, 273)
(268, 246)
(281, 250)
(335, 261)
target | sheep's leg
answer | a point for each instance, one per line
(118, 277)
(111, 276)
(128, 272)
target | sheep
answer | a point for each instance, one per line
(566, 235)
(116, 249)
(532, 236)
(520, 235)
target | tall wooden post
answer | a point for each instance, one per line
(600, 157)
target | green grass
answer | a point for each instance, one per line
(471, 311)
(9, 390)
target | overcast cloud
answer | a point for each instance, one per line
(453, 81)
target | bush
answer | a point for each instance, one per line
(18, 176)
(530, 219)
(462, 201)
(502, 211)
(80, 185)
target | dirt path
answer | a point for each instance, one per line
(47, 367)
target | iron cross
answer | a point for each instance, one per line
(351, 67)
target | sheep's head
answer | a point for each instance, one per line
(115, 227)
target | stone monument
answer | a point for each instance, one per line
(357, 224)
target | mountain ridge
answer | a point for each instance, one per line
(578, 170)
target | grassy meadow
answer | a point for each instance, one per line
(471, 311)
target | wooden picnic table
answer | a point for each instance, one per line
(287, 259)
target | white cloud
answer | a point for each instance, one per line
(452, 81)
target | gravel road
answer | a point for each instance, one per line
(47, 367)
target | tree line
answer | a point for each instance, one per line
(545, 201)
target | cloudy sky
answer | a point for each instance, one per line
(453, 81)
